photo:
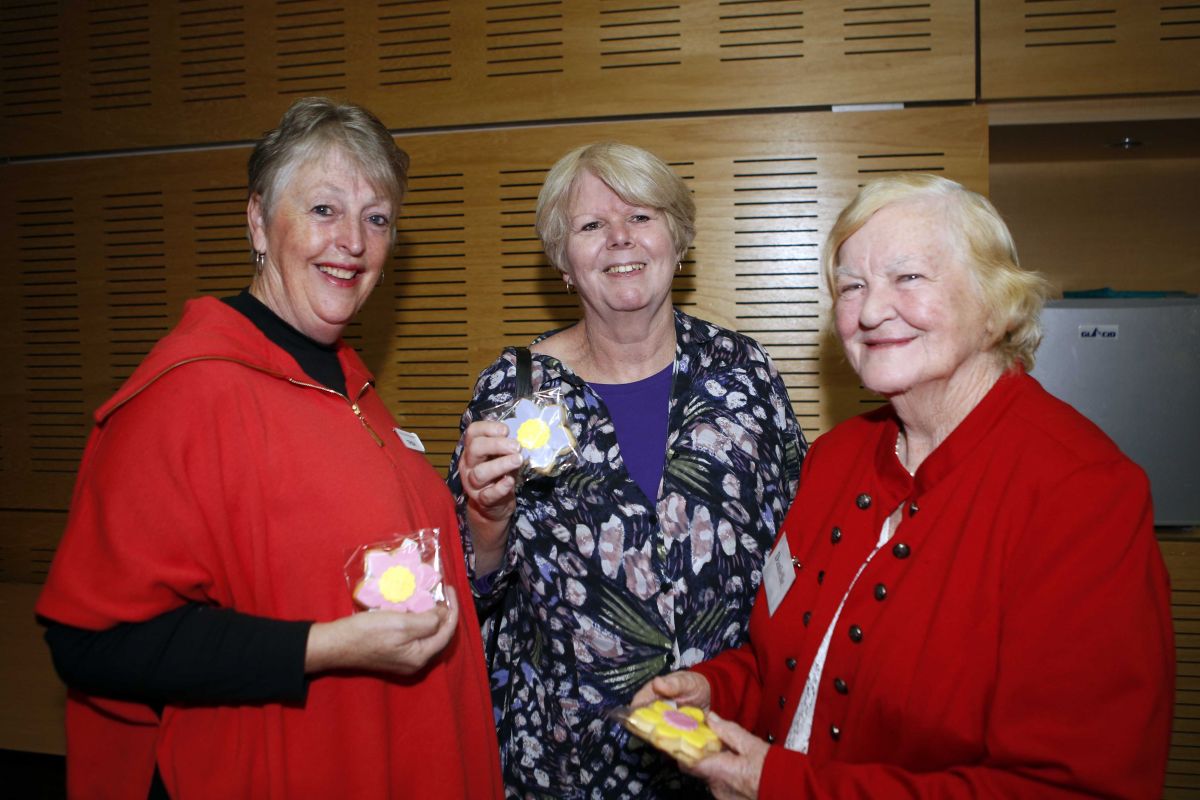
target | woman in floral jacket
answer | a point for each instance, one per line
(645, 556)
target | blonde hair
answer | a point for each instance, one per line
(637, 176)
(1012, 296)
(316, 126)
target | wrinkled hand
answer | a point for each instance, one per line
(382, 641)
(734, 773)
(488, 472)
(685, 687)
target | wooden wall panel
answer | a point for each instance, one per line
(470, 276)
(28, 543)
(31, 698)
(1126, 225)
(107, 253)
(1183, 561)
(88, 76)
(1072, 48)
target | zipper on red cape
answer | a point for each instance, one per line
(353, 405)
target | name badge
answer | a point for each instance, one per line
(778, 574)
(410, 439)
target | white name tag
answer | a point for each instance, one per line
(410, 439)
(778, 574)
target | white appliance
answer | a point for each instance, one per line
(1132, 366)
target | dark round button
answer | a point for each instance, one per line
(782, 701)
(835, 732)
(836, 536)
(807, 617)
(863, 501)
(821, 576)
(856, 634)
(880, 592)
(791, 663)
(912, 509)
(770, 738)
(665, 586)
(900, 550)
(840, 686)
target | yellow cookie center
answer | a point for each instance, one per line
(397, 584)
(533, 434)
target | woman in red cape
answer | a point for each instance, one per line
(198, 606)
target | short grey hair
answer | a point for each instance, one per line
(315, 126)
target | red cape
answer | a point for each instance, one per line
(216, 475)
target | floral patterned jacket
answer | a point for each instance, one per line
(603, 589)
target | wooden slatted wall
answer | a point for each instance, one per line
(1183, 769)
(107, 250)
(1072, 48)
(78, 76)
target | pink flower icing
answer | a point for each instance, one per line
(397, 580)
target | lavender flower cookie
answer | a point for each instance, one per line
(541, 430)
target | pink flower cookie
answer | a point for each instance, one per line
(397, 580)
(680, 732)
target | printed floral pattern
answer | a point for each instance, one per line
(612, 587)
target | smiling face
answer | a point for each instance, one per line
(906, 309)
(620, 257)
(325, 241)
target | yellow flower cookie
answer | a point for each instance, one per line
(681, 732)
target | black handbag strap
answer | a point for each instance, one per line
(524, 372)
(496, 613)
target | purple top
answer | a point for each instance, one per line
(639, 414)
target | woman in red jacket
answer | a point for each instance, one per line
(197, 607)
(967, 598)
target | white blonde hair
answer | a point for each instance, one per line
(1012, 296)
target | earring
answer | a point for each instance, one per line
(260, 258)
(679, 266)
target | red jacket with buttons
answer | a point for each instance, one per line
(1012, 639)
(218, 474)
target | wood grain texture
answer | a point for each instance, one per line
(31, 697)
(106, 250)
(1075, 48)
(107, 253)
(1088, 224)
(87, 77)
(1183, 561)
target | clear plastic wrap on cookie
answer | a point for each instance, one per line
(541, 425)
(679, 731)
(403, 573)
